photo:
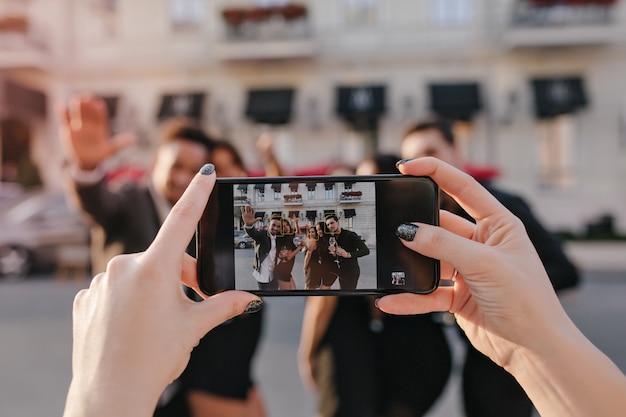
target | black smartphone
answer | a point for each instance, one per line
(327, 235)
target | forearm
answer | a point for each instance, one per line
(567, 375)
(317, 314)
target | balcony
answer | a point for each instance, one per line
(293, 200)
(350, 197)
(276, 32)
(241, 200)
(19, 48)
(548, 23)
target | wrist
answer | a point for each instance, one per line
(93, 399)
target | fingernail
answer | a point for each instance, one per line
(407, 231)
(207, 169)
(403, 161)
(254, 306)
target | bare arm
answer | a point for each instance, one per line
(317, 314)
(265, 147)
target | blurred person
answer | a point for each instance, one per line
(396, 384)
(227, 160)
(218, 378)
(488, 390)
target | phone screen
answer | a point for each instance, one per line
(315, 235)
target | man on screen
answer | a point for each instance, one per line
(265, 251)
(344, 248)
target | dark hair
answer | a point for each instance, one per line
(386, 163)
(237, 159)
(444, 127)
(186, 129)
(333, 216)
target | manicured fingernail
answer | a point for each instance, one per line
(207, 169)
(403, 161)
(254, 306)
(407, 231)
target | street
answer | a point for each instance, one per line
(35, 352)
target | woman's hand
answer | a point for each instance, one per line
(134, 328)
(503, 300)
(501, 296)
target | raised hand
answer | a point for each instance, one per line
(85, 133)
(247, 215)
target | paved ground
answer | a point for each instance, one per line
(35, 346)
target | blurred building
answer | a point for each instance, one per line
(535, 85)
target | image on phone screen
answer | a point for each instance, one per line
(315, 235)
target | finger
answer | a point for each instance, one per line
(180, 225)
(473, 197)
(74, 112)
(439, 243)
(221, 307)
(456, 224)
(189, 274)
(406, 303)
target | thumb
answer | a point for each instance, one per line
(216, 309)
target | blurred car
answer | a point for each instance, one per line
(34, 231)
(242, 240)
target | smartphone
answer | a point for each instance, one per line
(327, 235)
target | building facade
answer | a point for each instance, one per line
(535, 87)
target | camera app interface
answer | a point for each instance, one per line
(305, 236)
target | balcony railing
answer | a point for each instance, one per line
(351, 196)
(241, 200)
(293, 199)
(550, 13)
(266, 23)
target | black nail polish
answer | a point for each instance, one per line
(407, 231)
(207, 169)
(254, 306)
(403, 161)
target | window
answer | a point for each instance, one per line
(260, 192)
(187, 13)
(451, 12)
(360, 13)
(310, 191)
(278, 195)
(556, 151)
(329, 193)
